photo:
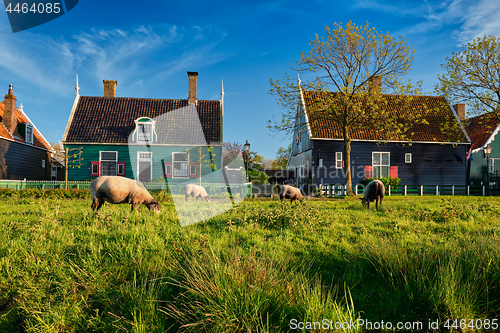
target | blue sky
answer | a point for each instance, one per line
(148, 46)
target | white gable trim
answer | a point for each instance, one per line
(490, 140)
(70, 120)
(460, 123)
(305, 111)
(36, 129)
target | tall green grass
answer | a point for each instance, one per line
(252, 269)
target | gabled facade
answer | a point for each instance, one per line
(24, 152)
(484, 169)
(433, 157)
(146, 139)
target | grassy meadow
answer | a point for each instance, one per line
(261, 267)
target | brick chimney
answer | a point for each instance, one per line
(192, 87)
(460, 110)
(10, 111)
(375, 84)
(109, 88)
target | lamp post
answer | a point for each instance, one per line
(246, 146)
(487, 152)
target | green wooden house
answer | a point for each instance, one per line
(177, 140)
(484, 160)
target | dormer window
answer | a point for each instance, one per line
(145, 130)
(29, 133)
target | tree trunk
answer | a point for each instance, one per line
(347, 159)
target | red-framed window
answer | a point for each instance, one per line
(193, 171)
(168, 169)
(120, 168)
(95, 169)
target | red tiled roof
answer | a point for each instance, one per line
(480, 129)
(111, 120)
(439, 116)
(38, 139)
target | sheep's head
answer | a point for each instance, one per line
(154, 206)
(208, 198)
(364, 201)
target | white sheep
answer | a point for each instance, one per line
(117, 190)
(289, 192)
(374, 191)
(195, 191)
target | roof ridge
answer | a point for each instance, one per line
(151, 99)
(336, 92)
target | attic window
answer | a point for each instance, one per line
(145, 130)
(29, 133)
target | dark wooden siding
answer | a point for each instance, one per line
(432, 163)
(19, 161)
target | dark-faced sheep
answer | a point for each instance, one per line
(289, 192)
(374, 191)
(195, 191)
(118, 190)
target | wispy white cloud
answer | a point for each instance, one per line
(480, 19)
(467, 19)
(125, 55)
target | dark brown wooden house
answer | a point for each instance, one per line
(434, 156)
(24, 152)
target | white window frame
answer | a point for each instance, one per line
(140, 135)
(338, 160)
(180, 162)
(29, 135)
(101, 161)
(381, 165)
(408, 158)
(53, 172)
(491, 165)
(147, 156)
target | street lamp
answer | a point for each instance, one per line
(246, 146)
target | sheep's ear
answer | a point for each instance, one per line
(360, 198)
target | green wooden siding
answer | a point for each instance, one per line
(479, 164)
(161, 154)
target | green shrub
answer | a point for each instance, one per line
(385, 180)
(45, 194)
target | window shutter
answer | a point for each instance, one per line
(368, 171)
(94, 169)
(394, 172)
(168, 169)
(343, 164)
(120, 168)
(192, 170)
(305, 171)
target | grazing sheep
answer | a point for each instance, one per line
(195, 191)
(374, 191)
(117, 190)
(289, 192)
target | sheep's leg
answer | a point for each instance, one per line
(95, 202)
(186, 197)
(101, 202)
(376, 203)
